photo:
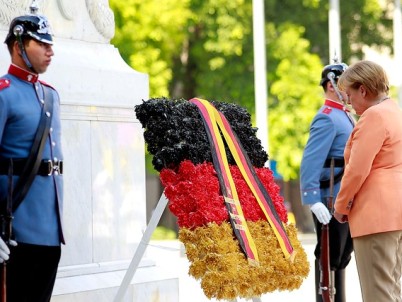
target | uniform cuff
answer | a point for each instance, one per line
(310, 196)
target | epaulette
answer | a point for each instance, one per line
(327, 110)
(46, 84)
(4, 83)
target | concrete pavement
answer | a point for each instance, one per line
(170, 255)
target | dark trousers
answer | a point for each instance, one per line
(31, 272)
(340, 243)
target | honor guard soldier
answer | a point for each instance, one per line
(329, 132)
(31, 164)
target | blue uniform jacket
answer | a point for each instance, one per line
(329, 131)
(38, 218)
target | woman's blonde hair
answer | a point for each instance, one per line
(366, 73)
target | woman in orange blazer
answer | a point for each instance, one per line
(370, 197)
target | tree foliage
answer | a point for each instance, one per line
(295, 97)
(204, 48)
(363, 22)
(150, 35)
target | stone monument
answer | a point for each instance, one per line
(105, 208)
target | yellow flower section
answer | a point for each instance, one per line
(216, 259)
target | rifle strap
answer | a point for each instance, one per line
(9, 204)
(7, 216)
(35, 155)
(338, 162)
(325, 183)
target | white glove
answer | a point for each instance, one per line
(321, 212)
(4, 250)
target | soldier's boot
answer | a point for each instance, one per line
(340, 294)
(318, 296)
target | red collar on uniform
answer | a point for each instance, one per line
(333, 104)
(23, 74)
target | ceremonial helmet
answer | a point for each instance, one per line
(334, 70)
(33, 26)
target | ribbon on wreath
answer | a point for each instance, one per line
(215, 123)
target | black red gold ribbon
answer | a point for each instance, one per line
(215, 122)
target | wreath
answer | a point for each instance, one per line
(176, 137)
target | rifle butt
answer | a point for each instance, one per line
(3, 294)
(325, 280)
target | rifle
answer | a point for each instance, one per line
(5, 229)
(3, 283)
(327, 289)
(5, 233)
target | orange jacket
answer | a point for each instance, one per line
(371, 188)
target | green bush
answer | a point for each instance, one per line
(163, 233)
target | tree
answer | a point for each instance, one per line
(203, 48)
(219, 57)
(363, 22)
(294, 96)
(149, 35)
(299, 31)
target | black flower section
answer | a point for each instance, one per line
(174, 131)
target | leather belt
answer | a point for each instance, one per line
(47, 167)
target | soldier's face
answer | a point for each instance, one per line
(39, 54)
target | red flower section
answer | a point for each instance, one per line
(195, 197)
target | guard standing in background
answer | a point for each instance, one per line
(329, 131)
(31, 159)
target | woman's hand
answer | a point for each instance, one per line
(341, 217)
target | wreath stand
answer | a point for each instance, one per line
(139, 252)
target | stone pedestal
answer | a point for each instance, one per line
(104, 208)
